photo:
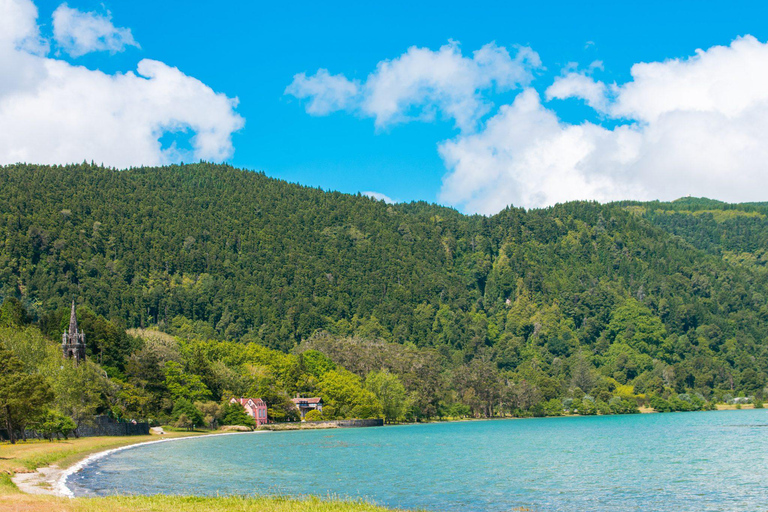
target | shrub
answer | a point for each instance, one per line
(459, 410)
(619, 405)
(183, 421)
(234, 414)
(538, 410)
(588, 407)
(53, 423)
(192, 414)
(313, 415)
(660, 405)
(554, 407)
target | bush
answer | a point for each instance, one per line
(234, 414)
(554, 407)
(576, 406)
(619, 405)
(538, 410)
(366, 411)
(588, 407)
(183, 421)
(680, 404)
(459, 410)
(53, 423)
(660, 405)
(313, 415)
(192, 414)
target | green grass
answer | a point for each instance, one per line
(161, 503)
(6, 484)
(34, 454)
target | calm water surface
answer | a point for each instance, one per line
(709, 461)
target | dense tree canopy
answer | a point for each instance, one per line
(272, 289)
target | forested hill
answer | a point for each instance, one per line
(655, 295)
(737, 232)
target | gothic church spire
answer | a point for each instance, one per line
(73, 319)
(73, 341)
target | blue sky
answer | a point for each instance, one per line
(252, 50)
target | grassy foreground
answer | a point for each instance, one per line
(25, 457)
(29, 503)
(30, 455)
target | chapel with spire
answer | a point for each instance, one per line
(73, 341)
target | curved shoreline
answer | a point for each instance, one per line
(60, 486)
(56, 477)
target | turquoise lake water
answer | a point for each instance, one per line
(705, 461)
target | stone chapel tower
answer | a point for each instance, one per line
(73, 341)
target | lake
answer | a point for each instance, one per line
(700, 461)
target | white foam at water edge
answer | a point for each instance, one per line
(61, 484)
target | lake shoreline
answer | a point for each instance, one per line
(52, 479)
(32, 473)
(508, 454)
(63, 490)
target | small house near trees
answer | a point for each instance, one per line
(304, 405)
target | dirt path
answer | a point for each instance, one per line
(40, 481)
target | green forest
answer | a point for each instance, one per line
(199, 282)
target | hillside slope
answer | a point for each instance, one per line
(737, 232)
(210, 251)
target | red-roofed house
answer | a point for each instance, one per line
(256, 408)
(308, 404)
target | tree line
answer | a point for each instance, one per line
(578, 303)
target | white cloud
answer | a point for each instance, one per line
(421, 83)
(327, 93)
(580, 85)
(727, 80)
(78, 32)
(576, 84)
(694, 126)
(379, 197)
(525, 156)
(18, 28)
(54, 112)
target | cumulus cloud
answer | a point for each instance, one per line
(379, 196)
(420, 84)
(527, 157)
(580, 85)
(54, 112)
(693, 126)
(78, 32)
(325, 92)
(18, 27)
